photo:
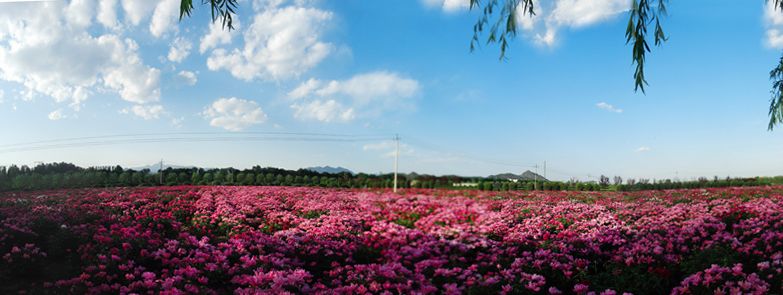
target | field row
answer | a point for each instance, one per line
(305, 240)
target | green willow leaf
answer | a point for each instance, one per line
(776, 103)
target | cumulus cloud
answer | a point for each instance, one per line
(448, 5)
(56, 115)
(643, 149)
(773, 19)
(305, 89)
(107, 14)
(79, 13)
(53, 54)
(164, 17)
(551, 16)
(234, 114)
(147, 112)
(137, 10)
(605, 106)
(187, 77)
(579, 13)
(367, 94)
(323, 110)
(179, 50)
(217, 35)
(280, 43)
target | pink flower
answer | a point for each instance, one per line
(581, 288)
(148, 276)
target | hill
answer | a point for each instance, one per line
(525, 176)
(329, 169)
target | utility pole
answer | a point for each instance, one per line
(160, 172)
(396, 159)
(545, 170)
(535, 178)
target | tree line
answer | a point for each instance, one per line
(67, 175)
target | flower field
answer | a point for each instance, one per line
(250, 240)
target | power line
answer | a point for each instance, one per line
(183, 139)
(192, 133)
(435, 148)
(547, 168)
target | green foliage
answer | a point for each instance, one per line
(225, 10)
(776, 103)
(63, 175)
(722, 255)
(636, 279)
(408, 221)
(504, 28)
(313, 214)
(642, 14)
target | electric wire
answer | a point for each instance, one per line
(190, 133)
(71, 143)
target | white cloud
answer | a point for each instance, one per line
(56, 115)
(367, 94)
(234, 114)
(388, 148)
(370, 87)
(147, 112)
(773, 18)
(280, 43)
(164, 17)
(605, 106)
(137, 10)
(188, 77)
(177, 122)
(643, 149)
(179, 50)
(107, 14)
(79, 13)
(774, 38)
(134, 81)
(772, 15)
(448, 5)
(553, 16)
(2, 96)
(580, 13)
(324, 111)
(53, 54)
(217, 35)
(305, 89)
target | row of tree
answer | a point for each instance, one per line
(66, 175)
(703, 182)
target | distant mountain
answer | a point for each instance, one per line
(329, 169)
(155, 167)
(527, 175)
(530, 175)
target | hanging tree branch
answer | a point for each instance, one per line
(642, 15)
(505, 27)
(225, 10)
(776, 75)
(776, 103)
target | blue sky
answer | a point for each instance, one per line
(564, 96)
